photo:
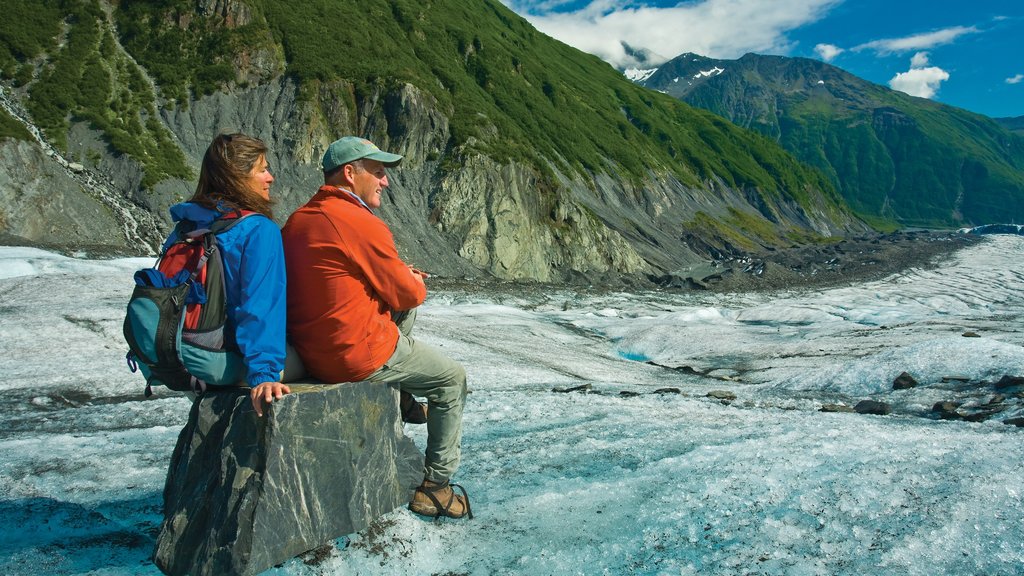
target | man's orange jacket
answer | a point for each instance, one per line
(344, 279)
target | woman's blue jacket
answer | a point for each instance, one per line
(255, 282)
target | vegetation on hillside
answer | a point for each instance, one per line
(26, 30)
(543, 100)
(185, 53)
(86, 77)
(893, 157)
(510, 92)
(11, 128)
(1013, 124)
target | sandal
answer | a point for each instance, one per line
(430, 505)
(413, 412)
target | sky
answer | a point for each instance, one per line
(966, 54)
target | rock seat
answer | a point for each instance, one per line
(245, 493)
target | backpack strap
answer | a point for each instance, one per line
(228, 221)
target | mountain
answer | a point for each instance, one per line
(1014, 124)
(525, 158)
(890, 155)
(641, 57)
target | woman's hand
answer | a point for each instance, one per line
(267, 392)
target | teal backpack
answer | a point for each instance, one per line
(175, 324)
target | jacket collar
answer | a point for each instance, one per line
(345, 194)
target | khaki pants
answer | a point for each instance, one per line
(422, 370)
(293, 367)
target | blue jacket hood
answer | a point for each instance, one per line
(193, 212)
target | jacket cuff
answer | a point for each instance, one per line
(257, 379)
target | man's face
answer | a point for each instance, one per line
(368, 181)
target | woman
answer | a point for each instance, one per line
(235, 176)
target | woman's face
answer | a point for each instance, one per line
(260, 178)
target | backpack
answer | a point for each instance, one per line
(175, 322)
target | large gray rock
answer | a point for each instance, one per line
(245, 493)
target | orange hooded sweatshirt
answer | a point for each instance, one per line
(344, 279)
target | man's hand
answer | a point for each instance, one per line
(267, 392)
(420, 273)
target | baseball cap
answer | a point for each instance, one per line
(352, 148)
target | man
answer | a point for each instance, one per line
(351, 309)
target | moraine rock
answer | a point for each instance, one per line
(946, 410)
(841, 408)
(580, 388)
(724, 395)
(245, 493)
(980, 415)
(873, 407)
(903, 382)
(1009, 382)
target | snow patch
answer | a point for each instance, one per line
(639, 75)
(708, 73)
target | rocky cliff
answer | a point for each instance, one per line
(643, 187)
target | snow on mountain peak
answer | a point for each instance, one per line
(638, 75)
(708, 73)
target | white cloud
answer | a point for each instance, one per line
(828, 51)
(923, 82)
(917, 41)
(715, 28)
(1015, 79)
(920, 60)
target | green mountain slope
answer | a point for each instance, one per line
(889, 154)
(513, 93)
(525, 157)
(1014, 124)
(66, 57)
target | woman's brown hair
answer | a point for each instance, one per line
(224, 175)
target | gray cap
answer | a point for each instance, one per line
(352, 148)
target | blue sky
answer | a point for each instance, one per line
(968, 54)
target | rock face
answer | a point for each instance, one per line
(459, 207)
(244, 493)
(48, 201)
(44, 205)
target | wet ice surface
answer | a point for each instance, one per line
(588, 483)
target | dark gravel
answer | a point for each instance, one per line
(845, 262)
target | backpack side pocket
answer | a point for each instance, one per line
(152, 328)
